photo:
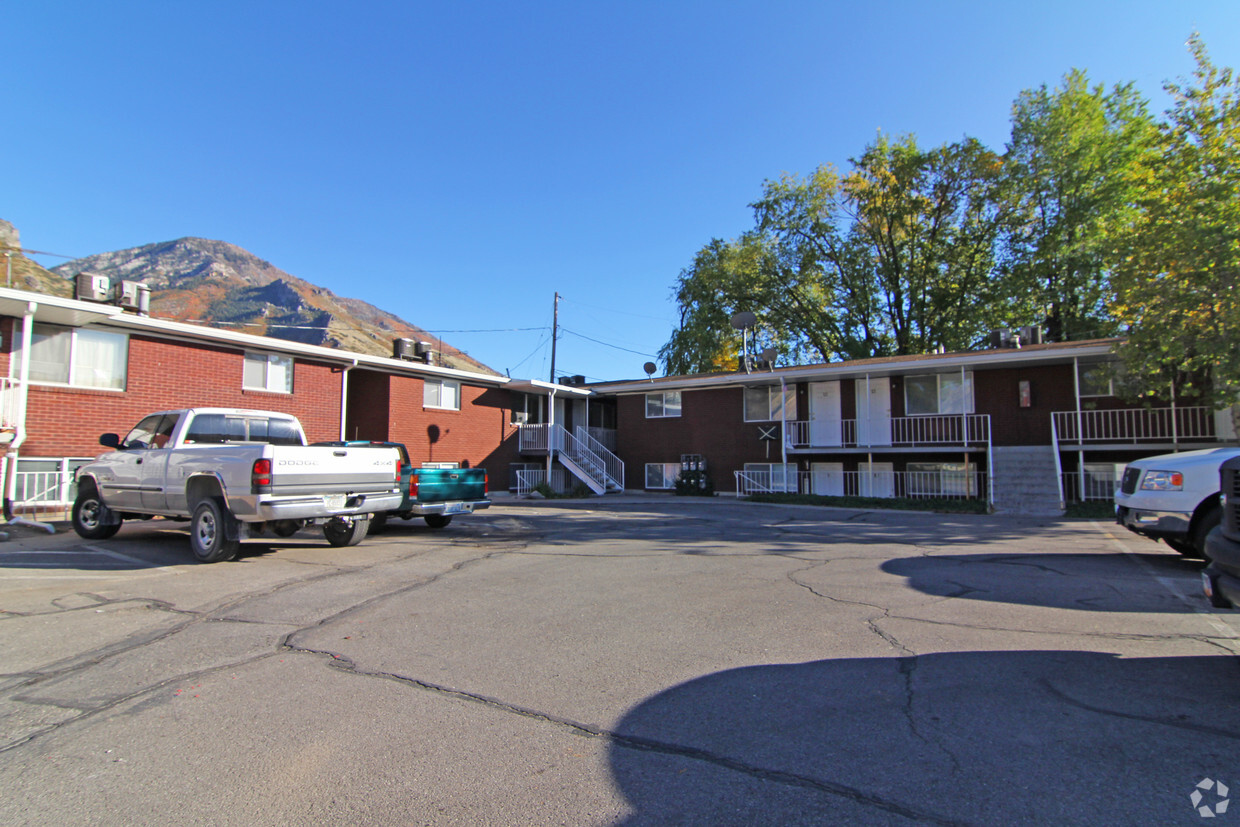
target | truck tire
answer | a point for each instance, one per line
(1211, 518)
(437, 520)
(88, 511)
(208, 532)
(344, 531)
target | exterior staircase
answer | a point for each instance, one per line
(1025, 480)
(588, 459)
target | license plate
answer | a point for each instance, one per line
(458, 508)
(335, 502)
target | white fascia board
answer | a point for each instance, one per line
(54, 309)
(849, 370)
(539, 386)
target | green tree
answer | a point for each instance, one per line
(1177, 279)
(895, 257)
(1065, 174)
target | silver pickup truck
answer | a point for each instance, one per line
(233, 473)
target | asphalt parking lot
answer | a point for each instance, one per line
(624, 661)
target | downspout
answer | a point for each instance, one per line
(783, 431)
(344, 397)
(10, 465)
(1080, 431)
(550, 432)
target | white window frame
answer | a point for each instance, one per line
(668, 473)
(77, 374)
(271, 382)
(773, 411)
(662, 409)
(940, 397)
(950, 479)
(433, 394)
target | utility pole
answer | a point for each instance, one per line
(555, 328)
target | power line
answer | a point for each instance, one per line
(608, 344)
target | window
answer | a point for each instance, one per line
(767, 404)
(442, 393)
(660, 405)
(77, 357)
(218, 427)
(938, 393)
(662, 475)
(1096, 380)
(771, 476)
(941, 479)
(268, 372)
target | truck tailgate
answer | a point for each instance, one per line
(299, 469)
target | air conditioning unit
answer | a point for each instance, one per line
(130, 295)
(1031, 335)
(402, 349)
(92, 288)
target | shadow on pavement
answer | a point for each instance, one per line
(1092, 582)
(1038, 737)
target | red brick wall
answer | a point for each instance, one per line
(165, 375)
(711, 423)
(480, 433)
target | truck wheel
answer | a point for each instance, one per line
(1204, 526)
(87, 514)
(437, 520)
(378, 522)
(344, 531)
(208, 534)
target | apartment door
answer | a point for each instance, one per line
(825, 420)
(874, 411)
(878, 479)
(828, 478)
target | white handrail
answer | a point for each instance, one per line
(1134, 425)
(613, 466)
(906, 431)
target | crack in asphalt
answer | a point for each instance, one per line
(1131, 716)
(637, 742)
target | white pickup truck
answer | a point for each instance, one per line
(1173, 497)
(232, 473)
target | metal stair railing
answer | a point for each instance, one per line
(613, 466)
(580, 459)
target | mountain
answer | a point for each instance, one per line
(218, 284)
(24, 274)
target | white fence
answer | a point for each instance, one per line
(528, 480)
(943, 484)
(1135, 425)
(44, 495)
(899, 431)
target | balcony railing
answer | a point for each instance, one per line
(946, 430)
(943, 484)
(1134, 426)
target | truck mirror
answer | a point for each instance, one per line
(110, 440)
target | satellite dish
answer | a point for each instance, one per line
(769, 355)
(650, 368)
(744, 319)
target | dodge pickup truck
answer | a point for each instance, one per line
(434, 494)
(1173, 497)
(233, 473)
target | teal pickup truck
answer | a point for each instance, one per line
(434, 494)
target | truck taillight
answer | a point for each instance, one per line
(413, 485)
(486, 483)
(260, 476)
(400, 469)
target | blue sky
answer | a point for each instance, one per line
(459, 163)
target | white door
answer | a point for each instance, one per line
(878, 479)
(825, 421)
(874, 411)
(828, 478)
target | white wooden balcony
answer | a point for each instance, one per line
(933, 431)
(1138, 426)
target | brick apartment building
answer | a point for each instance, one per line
(1019, 427)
